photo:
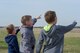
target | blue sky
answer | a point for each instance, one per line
(11, 11)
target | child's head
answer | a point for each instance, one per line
(50, 17)
(26, 20)
(10, 29)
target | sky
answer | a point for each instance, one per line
(11, 11)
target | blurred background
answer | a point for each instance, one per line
(11, 11)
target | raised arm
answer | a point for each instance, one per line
(65, 29)
(35, 19)
(17, 31)
(39, 43)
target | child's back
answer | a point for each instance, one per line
(53, 35)
(28, 39)
(54, 38)
(12, 42)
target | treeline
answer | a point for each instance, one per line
(34, 27)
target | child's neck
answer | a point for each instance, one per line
(51, 24)
(26, 26)
(10, 34)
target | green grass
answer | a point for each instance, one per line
(71, 43)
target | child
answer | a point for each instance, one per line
(28, 40)
(11, 39)
(53, 35)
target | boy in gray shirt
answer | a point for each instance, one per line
(28, 40)
(52, 35)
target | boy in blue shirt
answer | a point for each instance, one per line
(28, 40)
(52, 35)
(11, 39)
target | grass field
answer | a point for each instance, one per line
(71, 45)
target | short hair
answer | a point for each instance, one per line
(10, 28)
(50, 16)
(25, 18)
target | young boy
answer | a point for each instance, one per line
(53, 35)
(28, 40)
(11, 39)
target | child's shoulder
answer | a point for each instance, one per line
(9, 36)
(24, 30)
(58, 26)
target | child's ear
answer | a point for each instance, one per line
(55, 20)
